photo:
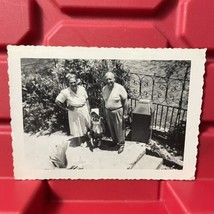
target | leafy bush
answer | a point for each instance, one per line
(176, 137)
(43, 79)
(173, 140)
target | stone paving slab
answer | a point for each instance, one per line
(103, 158)
(37, 150)
(148, 162)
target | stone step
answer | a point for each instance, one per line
(148, 162)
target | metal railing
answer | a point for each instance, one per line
(170, 91)
(164, 118)
(168, 95)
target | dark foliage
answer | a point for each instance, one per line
(173, 140)
(43, 79)
(176, 137)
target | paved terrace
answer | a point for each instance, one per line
(134, 156)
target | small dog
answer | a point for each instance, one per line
(97, 129)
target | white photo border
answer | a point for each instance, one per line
(197, 58)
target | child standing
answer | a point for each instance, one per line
(97, 128)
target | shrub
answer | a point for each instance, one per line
(176, 137)
(43, 79)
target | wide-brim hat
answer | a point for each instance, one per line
(95, 110)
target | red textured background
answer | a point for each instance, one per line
(109, 23)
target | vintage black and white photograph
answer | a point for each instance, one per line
(104, 112)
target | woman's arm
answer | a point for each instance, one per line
(88, 105)
(61, 101)
(63, 106)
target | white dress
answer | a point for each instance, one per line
(96, 127)
(79, 118)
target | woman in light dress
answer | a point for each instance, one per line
(74, 99)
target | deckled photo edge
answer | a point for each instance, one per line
(17, 121)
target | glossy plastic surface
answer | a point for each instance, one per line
(110, 23)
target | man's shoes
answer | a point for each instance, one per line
(121, 148)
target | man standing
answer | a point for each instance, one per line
(116, 107)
